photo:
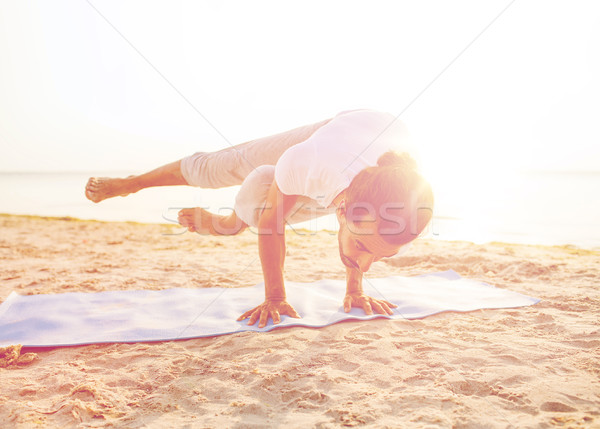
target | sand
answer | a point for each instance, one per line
(536, 366)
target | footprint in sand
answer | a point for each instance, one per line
(556, 407)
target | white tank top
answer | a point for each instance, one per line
(324, 165)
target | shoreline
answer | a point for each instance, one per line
(305, 231)
(525, 367)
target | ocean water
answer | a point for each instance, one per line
(550, 208)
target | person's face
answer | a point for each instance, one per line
(360, 244)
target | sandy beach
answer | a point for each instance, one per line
(535, 366)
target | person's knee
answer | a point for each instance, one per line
(252, 196)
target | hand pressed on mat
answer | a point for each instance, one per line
(367, 303)
(355, 297)
(269, 308)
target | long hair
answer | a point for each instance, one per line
(393, 193)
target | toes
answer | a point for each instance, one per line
(90, 191)
(92, 185)
(185, 220)
(186, 217)
(100, 188)
(189, 219)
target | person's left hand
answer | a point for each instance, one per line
(367, 303)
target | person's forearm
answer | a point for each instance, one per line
(271, 241)
(271, 249)
(353, 280)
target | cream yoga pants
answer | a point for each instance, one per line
(251, 165)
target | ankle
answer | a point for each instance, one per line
(131, 184)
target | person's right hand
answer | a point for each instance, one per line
(269, 308)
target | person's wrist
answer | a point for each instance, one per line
(275, 294)
(275, 297)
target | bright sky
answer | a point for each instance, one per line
(75, 95)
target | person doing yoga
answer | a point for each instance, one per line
(355, 164)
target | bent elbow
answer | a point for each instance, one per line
(269, 224)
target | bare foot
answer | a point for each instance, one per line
(101, 188)
(204, 222)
